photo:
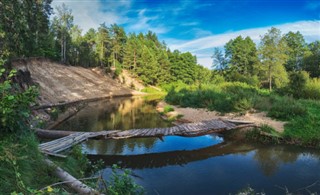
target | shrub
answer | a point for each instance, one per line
(286, 108)
(298, 83)
(122, 183)
(312, 89)
(14, 103)
(242, 104)
(217, 79)
(167, 109)
(152, 90)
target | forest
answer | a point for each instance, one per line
(279, 75)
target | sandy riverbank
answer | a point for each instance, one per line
(200, 114)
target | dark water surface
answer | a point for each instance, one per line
(201, 165)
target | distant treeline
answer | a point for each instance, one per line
(26, 31)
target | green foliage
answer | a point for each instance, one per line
(298, 83)
(152, 90)
(122, 184)
(312, 89)
(14, 104)
(296, 51)
(26, 27)
(224, 97)
(273, 55)
(286, 108)
(305, 128)
(167, 109)
(21, 166)
(242, 55)
(301, 86)
(311, 60)
(54, 113)
(76, 163)
(217, 79)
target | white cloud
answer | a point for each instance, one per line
(309, 29)
(90, 14)
(143, 24)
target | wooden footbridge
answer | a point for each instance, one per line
(69, 138)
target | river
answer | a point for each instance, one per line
(207, 164)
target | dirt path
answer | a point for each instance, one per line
(200, 114)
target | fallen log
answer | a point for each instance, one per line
(52, 134)
(71, 181)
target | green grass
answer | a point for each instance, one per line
(305, 129)
(21, 165)
(167, 109)
(152, 90)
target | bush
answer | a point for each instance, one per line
(14, 104)
(225, 97)
(151, 90)
(122, 183)
(242, 104)
(298, 83)
(167, 109)
(286, 108)
(312, 89)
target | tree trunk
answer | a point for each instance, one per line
(71, 181)
(270, 79)
(64, 50)
(61, 49)
(134, 59)
(114, 60)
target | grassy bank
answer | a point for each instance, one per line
(21, 165)
(303, 116)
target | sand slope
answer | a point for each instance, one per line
(60, 83)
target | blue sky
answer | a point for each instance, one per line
(200, 25)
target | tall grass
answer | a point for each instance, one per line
(21, 166)
(223, 97)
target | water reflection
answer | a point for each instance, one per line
(176, 157)
(118, 113)
(223, 168)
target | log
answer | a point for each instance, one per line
(71, 181)
(52, 134)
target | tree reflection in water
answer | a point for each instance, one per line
(119, 114)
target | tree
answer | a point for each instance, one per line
(241, 55)
(103, 44)
(75, 47)
(182, 66)
(26, 27)
(118, 40)
(131, 50)
(273, 57)
(297, 49)
(311, 61)
(62, 24)
(219, 61)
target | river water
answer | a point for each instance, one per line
(202, 165)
